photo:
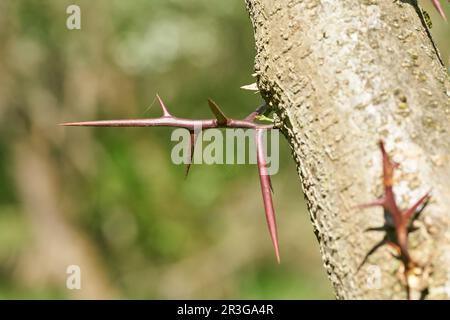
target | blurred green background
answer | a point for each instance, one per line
(110, 200)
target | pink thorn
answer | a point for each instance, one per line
(266, 192)
(439, 8)
(379, 202)
(112, 123)
(410, 212)
(166, 113)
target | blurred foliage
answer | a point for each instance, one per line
(110, 200)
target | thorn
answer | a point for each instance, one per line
(439, 8)
(73, 124)
(193, 141)
(376, 203)
(220, 116)
(106, 123)
(251, 87)
(412, 210)
(417, 214)
(266, 193)
(188, 167)
(166, 112)
(167, 120)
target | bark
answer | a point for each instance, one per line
(341, 75)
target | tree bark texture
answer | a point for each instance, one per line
(342, 75)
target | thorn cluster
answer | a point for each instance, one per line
(220, 121)
(398, 223)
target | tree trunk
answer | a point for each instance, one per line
(342, 75)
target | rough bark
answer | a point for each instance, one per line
(341, 75)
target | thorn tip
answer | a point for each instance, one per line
(166, 112)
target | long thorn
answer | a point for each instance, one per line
(439, 8)
(193, 140)
(115, 123)
(266, 192)
(151, 122)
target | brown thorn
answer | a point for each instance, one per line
(193, 140)
(220, 116)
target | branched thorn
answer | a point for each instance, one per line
(398, 223)
(220, 121)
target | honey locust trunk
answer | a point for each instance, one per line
(342, 75)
